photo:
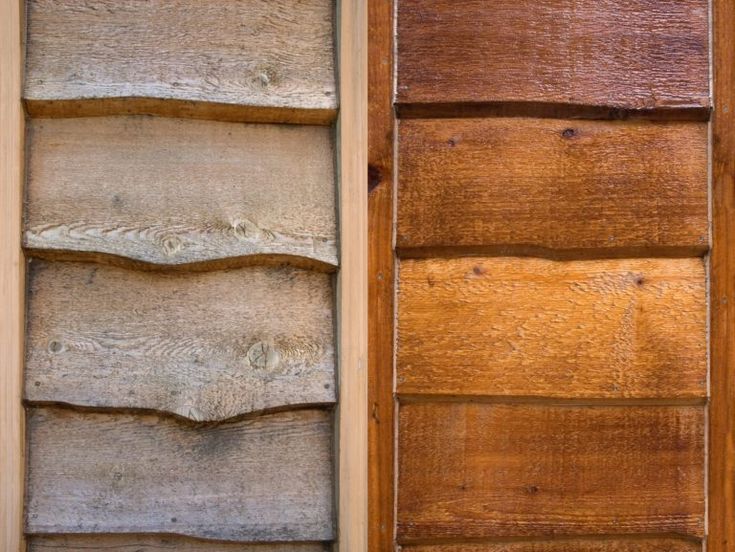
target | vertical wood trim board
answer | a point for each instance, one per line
(352, 280)
(722, 290)
(11, 279)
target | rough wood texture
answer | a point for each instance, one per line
(206, 346)
(516, 327)
(177, 192)
(148, 543)
(484, 470)
(552, 187)
(564, 545)
(636, 55)
(258, 60)
(267, 479)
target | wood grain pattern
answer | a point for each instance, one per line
(149, 543)
(205, 346)
(568, 545)
(267, 479)
(484, 470)
(638, 55)
(633, 328)
(257, 60)
(552, 187)
(178, 192)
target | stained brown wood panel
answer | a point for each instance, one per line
(486, 470)
(565, 545)
(636, 55)
(205, 346)
(148, 543)
(617, 328)
(267, 479)
(179, 192)
(552, 187)
(257, 60)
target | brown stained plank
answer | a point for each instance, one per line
(536, 55)
(179, 192)
(205, 346)
(267, 479)
(256, 60)
(633, 328)
(559, 188)
(493, 471)
(381, 262)
(564, 545)
(149, 543)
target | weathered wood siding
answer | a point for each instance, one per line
(180, 346)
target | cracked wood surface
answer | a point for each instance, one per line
(250, 60)
(205, 346)
(180, 192)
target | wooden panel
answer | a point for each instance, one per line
(267, 479)
(267, 61)
(177, 192)
(615, 328)
(552, 187)
(580, 545)
(636, 55)
(148, 543)
(206, 346)
(484, 470)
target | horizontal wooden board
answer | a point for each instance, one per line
(178, 192)
(267, 479)
(257, 60)
(636, 55)
(552, 187)
(206, 345)
(618, 328)
(149, 543)
(568, 545)
(493, 471)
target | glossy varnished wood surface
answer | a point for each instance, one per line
(204, 346)
(568, 545)
(267, 479)
(535, 55)
(257, 60)
(552, 187)
(492, 470)
(180, 192)
(619, 328)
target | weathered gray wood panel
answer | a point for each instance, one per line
(177, 192)
(149, 543)
(204, 345)
(267, 479)
(258, 60)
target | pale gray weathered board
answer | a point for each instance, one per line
(150, 543)
(177, 192)
(267, 479)
(204, 345)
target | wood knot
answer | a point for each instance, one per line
(264, 356)
(171, 245)
(569, 133)
(55, 346)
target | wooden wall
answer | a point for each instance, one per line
(546, 356)
(180, 220)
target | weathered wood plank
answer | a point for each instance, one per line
(568, 545)
(251, 60)
(149, 543)
(632, 328)
(552, 187)
(487, 470)
(177, 192)
(267, 479)
(206, 346)
(542, 54)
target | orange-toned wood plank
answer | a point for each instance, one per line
(554, 187)
(541, 54)
(483, 470)
(568, 545)
(616, 328)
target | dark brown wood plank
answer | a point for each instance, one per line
(568, 545)
(205, 346)
(613, 56)
(149, 543)
(547, 187)
(179, 192)
(268, 479)
(508, 326)
(251, 60)
(488, 470)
